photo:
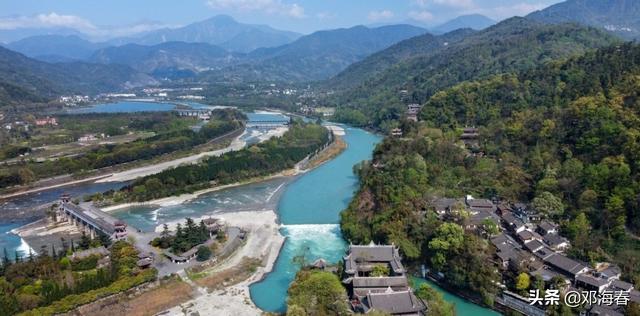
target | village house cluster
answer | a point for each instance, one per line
(526, 241)
(70, 100)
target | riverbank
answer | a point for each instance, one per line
(52, 186)
(149, 167)
(236, 144)
(180, 199)
(263, 244)
(328, 153)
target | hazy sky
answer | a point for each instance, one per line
(118, 17)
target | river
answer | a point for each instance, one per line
(310, 212)
(13, 243)
(308, 207)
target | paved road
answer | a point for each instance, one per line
(164, 265)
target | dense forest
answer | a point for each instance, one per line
(272, 156)
(167, 139)
(562, 136)
(53, 282)
(512, 45)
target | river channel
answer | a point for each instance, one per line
(308, 206)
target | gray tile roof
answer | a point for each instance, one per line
(604, 310)
(373, 253)
(592, 280)
(443, 204)
(611, 271)
(554, 240)
(622, 285)
(481, 203)
(92, 216)
(481, 215)
(361, 282)
(534, 245)
(396, 303)
(565, 264)
(547, 226)
(510, 219)
(544, 253)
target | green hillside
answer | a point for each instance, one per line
(563, 136)
(512, 45)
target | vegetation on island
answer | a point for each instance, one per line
(171, 134)
(272, 156)
(562, 137)
(53, 283)
(315, 292)
(185, 237)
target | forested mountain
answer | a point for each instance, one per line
(563, 136)
(221, 30)
(471, 21)
(423, 45)
(512, 45)
(168, 58)
(55, 47)
(44, 80)
(621, 17)
(317, 56)
(11, 94)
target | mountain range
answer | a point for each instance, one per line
(221, 30)
(360, 63)
(415, 69)
(56, 48)
(621, 17)
(472, 21)
(170, 59)
(316, 56)
(31, 79)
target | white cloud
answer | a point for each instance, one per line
(503, 12)
(54, 20)
(381, 15)
(268, 6)
(519, 9)
(50, 20)
(421, 16)
(460, 4)
(117, 31)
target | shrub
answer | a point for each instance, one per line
(88, 263)
(72, 301)
(204, 253)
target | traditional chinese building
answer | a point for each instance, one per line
(369, 289)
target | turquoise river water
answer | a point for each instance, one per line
(308, 207)
(310, 211)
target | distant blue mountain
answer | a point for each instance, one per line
(621, 17)
(55, 48)
(317, 56)
(473, 21)
(221, 30)
(167, 58)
